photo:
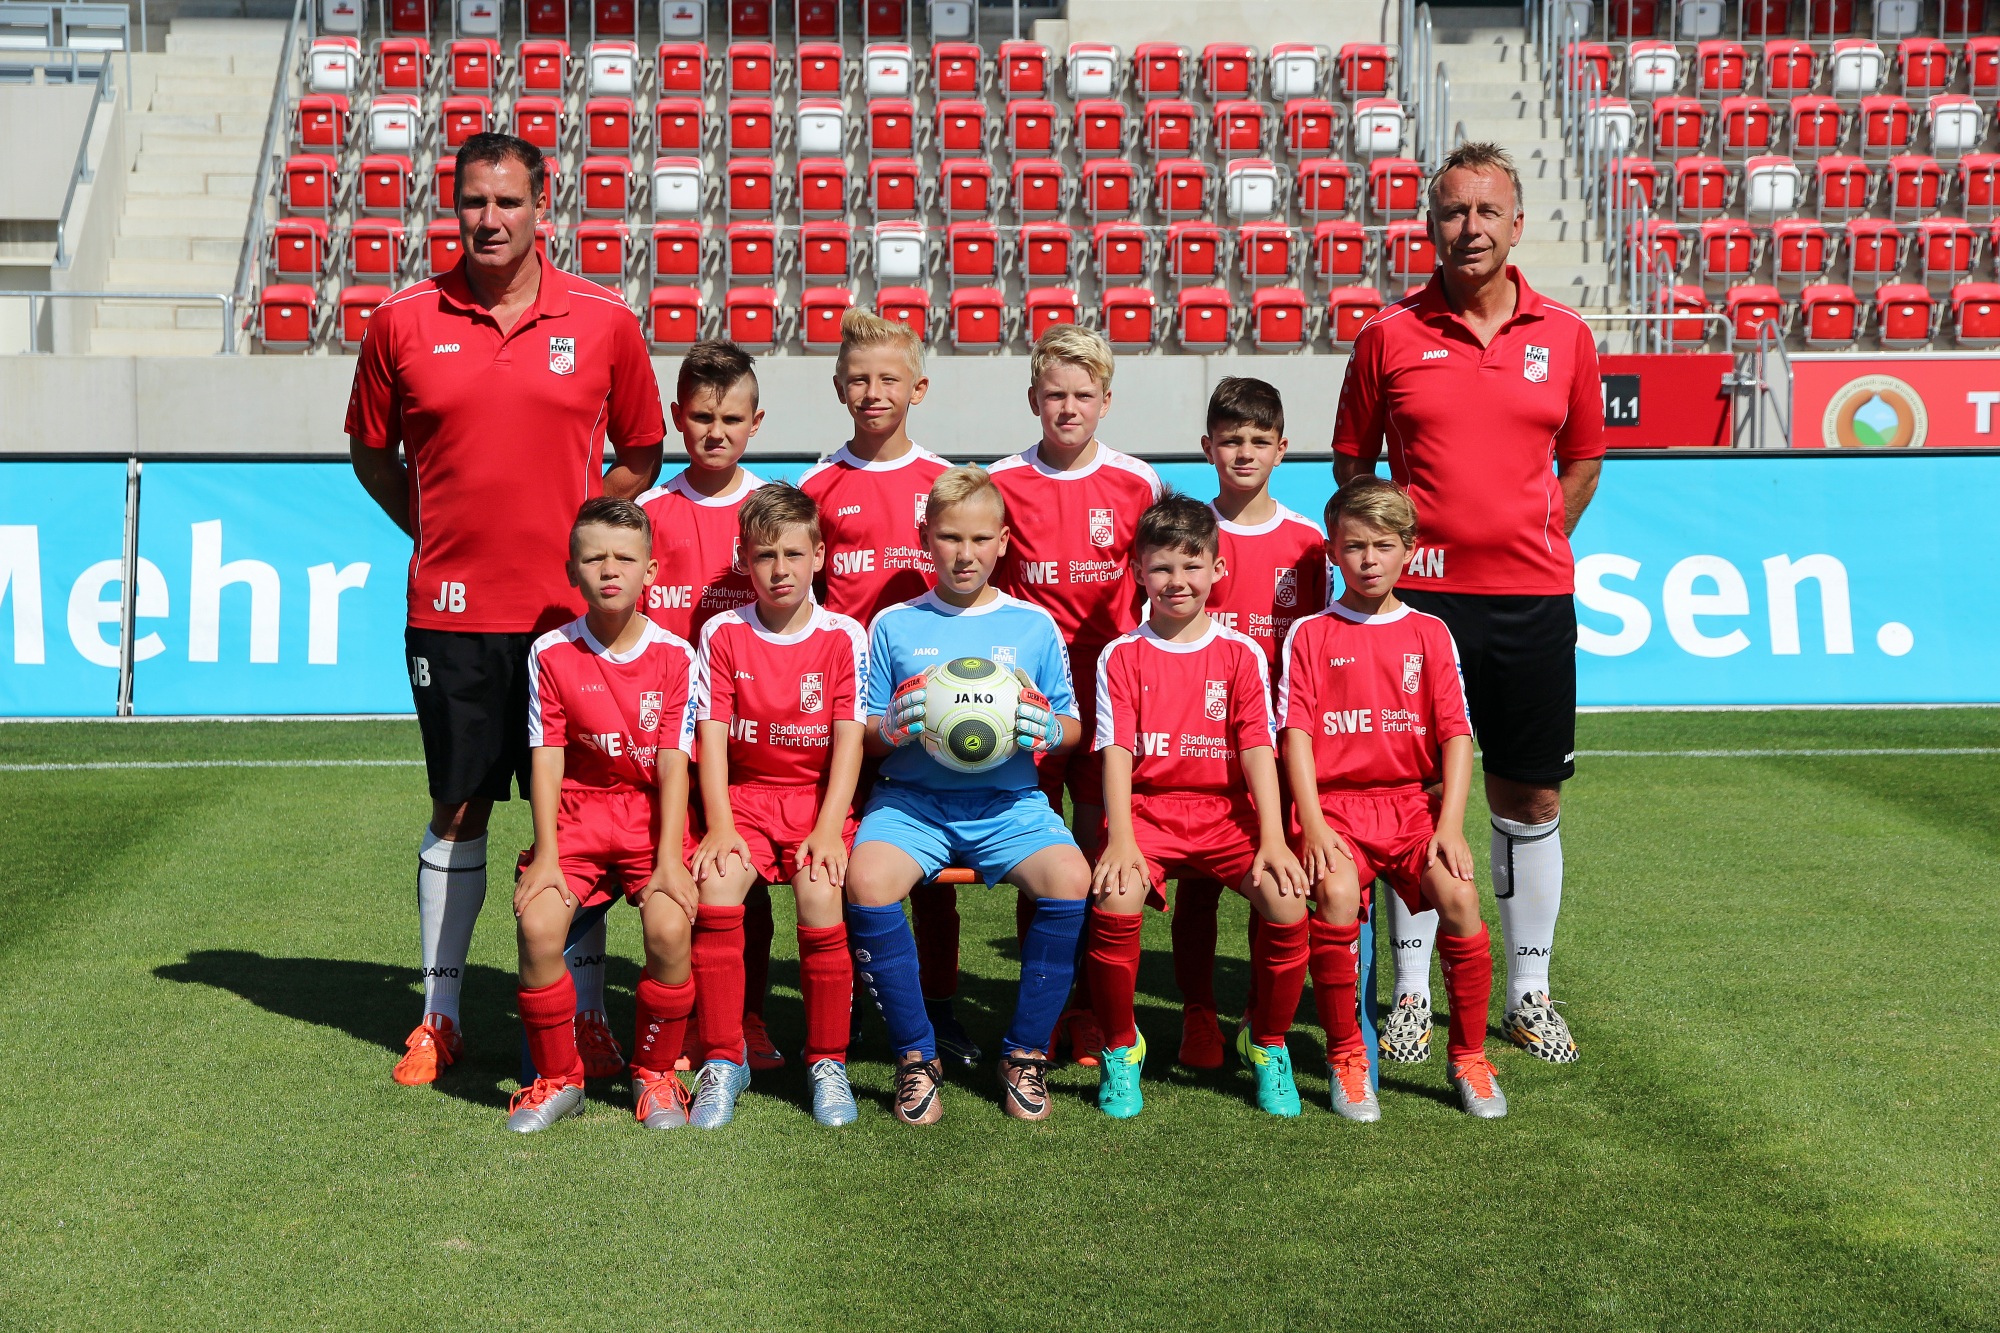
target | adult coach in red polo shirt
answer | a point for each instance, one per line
(501, 381)
(1487, 394)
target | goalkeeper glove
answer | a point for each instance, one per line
(1036, 727)
(904, 721)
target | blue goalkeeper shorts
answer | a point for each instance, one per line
(989, 832)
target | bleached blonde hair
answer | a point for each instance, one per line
(864, 328)
(1071, 345)
(955, 486)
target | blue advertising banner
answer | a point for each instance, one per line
(278, 587)
(62, 531)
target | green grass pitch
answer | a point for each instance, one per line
(1778, 967)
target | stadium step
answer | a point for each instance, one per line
(216, 37)
(180, 247)
(154, 342)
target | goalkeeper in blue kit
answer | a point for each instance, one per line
(923, 816)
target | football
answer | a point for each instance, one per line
(969, 706)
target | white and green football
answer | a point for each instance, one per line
(969, 706)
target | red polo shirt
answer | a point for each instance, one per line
(505, 438)
(1473, 432)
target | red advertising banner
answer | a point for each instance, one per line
(1879, 400)
(1666, 401)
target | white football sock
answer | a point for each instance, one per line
(451, 888)
(1528, 886)
(1412, 936)
(586, 969)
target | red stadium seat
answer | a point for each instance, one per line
(1745, 126)
(1947, 250)
(820, 69)
(1312, 127)
(1395, 189)
(1631, 18)
(1031, 128)
(613, 18)
(1040, 189)
(820, 311)
(354, 308)
(546, 18)
(287, 317)
(979, 320)
(321, 122)
(751, 127)
(1228, 69)
(1634, 182)
(892, 127)
(750, 18)
(542, 66)
(1340, 253)
(1161, 70)
(472, 65)
(884, 20)
(1790, 68)
(1110, 189)
(1982, 66)
(1348, 310)
(1049, 306)
(1721, 69)
(1204, 319)
(1324, 188)
(1924, 66)
(958, 69)
(750, 318)
(1409, 257)
(1979, 186)
(1680, 127)
(1590, 66)
(1975, 314)
(311, 185)
(1703, 187)
(409, 16)
(972, 253)
(960, 129)
(603, 251)
(1875, 251)
(1266, 253)
(822, 187)
(1887, 127)
(826, 251)
(403, 64)
(1278, 319)
(680, 69)
(1127, 316)
(677, 252)
(1962, 16)
(374, 249)
(463, 117)
(1024, 69)
(442, 246)
(1239, 129)
(1800, 249)
(1121, 253)
(906, 305)
(750, 69)
(1172, 129)
(1829, 317)
(1194, 253)
(1363, 70)
(1046, 254)
(1905, 316)
(1100, 129)
(1753, 309)
(388, 185)
(1846, 187)
(816, 18)
(674, 318)
(1916, 186)
(539, 120)
(607, 125)
(1684, 335)
(1818, 126)
(1766, 18)
(751, 191)
(750, 254)
(678, 125)
(607, 187)
(297, 249)
(966, 184)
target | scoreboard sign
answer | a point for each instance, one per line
(1666, 401)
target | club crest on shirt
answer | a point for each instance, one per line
(650, 704)
(1413, 672)
(1215, 702)
(562, 355)
(923, 500)
(1286, 592)
(1535, 365)
(1003, 655)
(812, 692)
(1100, 527)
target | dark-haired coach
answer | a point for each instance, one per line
(1487, 394)
(501, 380)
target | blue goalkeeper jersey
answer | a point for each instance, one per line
(911, 637)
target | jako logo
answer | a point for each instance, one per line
(444, 347)
(1437, 354)
(1701, 594)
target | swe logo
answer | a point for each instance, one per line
(1535, 364)
(651, 703)
(812, 691)
(1286, 592)
(1101, 522)
(1413, 672)
(562, 356)
(1215, 702)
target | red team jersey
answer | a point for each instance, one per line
(1274, 574)
(868, 516)
(1473, 435)
(781, 693)
(611, 715)
(504, 435)
(1379, 695)
(702, 573)
(1071, 546)
(1186, 711)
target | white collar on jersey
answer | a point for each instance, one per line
(680, 487)
(1147, 633)
(845, 455)
(649, 634)
(1270, 524)
(748, 616)
(1348, 613)
(930, 601)
(1032, 456)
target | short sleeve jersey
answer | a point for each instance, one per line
(1071, 543)
(504, 435)
(1379, 695)
(780, 693)
(1186, 711)
(701, 573)
(868, 515)
(1473, 434)
(611, 713)
(1273, 574)
(910, 637)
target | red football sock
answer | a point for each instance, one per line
(1334, 967)
(1113, 962)
(934, 918)
(1278, 962)
(662, 1023)
(549, 1015)
(1468, 980)
(757, 934)
(718, 975)
(1193, 921)
(826, 980)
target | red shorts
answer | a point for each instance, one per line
(1388, 833)
(607, 840)
(774, 820)
(1194, 835)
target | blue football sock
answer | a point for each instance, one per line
(885, 956)
(1048, 968)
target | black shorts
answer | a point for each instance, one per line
(472, 707)
(1519, 659)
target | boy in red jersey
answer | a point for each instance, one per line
(611, 724)
(1073, 506)
(1184, 726)
(871, 495)
(780, 728)
(702, 573)
(1374, 714)
(1270, 571)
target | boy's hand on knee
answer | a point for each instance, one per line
(542, 874)
(1120, 870)
(904, 721)
(1449, 847)
(717, 845)
(1036, 729)
(823, 855)
(1277, 861)
(672, 879)
(1323, 851)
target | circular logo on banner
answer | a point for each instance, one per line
(1875, 412)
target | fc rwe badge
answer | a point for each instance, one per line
(1535, 365)
(1413, 672)
(650, 704)
(1286, 593)
(562, 355)
(1215, 703)
(1100, 527)
(812, 691)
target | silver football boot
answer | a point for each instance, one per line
(1478, 1088)
(1352, 1093)
(716, 1089)
(542, 1103)
(658, 1100)
(1536, 1027)
(832, 1096)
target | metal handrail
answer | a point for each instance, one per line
(272, 147)
(177, 298)
(82, 174)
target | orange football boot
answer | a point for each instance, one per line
(1086, 1039)
(763, 1053)
(433, 1045)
